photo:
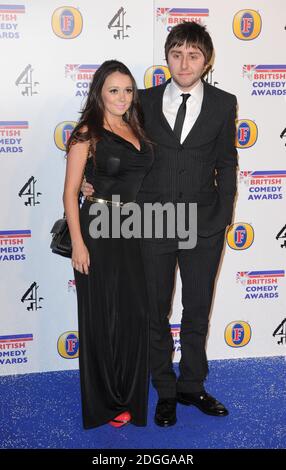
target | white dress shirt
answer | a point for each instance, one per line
(172, 100)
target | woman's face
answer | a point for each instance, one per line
(117, 94)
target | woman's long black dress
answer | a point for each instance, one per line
(112, 299)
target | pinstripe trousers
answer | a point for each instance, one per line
(198, 268)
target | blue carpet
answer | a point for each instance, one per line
(43, 411)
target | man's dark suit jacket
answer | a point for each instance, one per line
(203, 168)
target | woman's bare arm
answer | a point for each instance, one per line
(76, 161)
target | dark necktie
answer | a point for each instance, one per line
(181, 116)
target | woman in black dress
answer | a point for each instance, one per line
(109, 146)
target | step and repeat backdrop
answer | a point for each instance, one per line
(49, 53)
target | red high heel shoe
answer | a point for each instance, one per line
(121, 420)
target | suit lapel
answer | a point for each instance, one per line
(158, 110)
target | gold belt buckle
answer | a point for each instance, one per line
(105, 201)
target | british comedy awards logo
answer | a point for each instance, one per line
(81, 75)
(266, 79)
(13, 349)
(260, 284)
(10, 20)
(247, 24)
(170, 17)
(11, 136)
(263, 185)
(175, 332)
(71, 286)
(12, 245)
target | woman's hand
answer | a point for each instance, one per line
(86, 188)
(80, 258)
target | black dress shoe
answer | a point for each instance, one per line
(165, 414)
(205, 402)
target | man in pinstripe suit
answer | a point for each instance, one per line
(193, 127)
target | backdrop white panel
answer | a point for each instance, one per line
(49, 52)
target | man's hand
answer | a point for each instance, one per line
(86, 188)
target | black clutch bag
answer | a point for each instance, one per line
(61, 241)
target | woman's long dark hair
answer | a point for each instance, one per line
(92, 115)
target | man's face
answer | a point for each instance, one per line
(186, 65)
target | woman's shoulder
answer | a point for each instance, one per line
(79, 136)
(82, 138)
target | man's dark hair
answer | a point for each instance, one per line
(192, 34)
